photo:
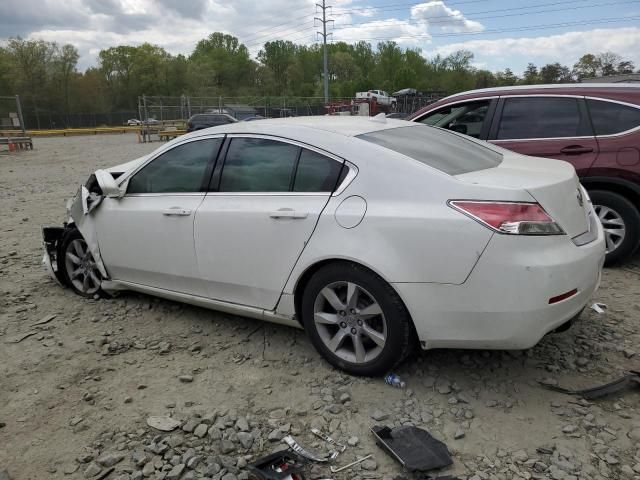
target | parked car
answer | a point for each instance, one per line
(253, 118)
(371, 234)
(152, 121)
(595, 127)
(133, 122)
(206, 120)
(380, 96)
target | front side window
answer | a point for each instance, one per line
(609, 118)
(466, 118)
(316, 173)
(541, 117)
(178, 170)
(258, 165)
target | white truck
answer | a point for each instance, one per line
(381, 97)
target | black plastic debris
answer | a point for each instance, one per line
(629, 380)
(285, 465)
(413, 447)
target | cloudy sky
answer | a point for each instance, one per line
(501, 33)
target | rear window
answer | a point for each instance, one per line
(609, 118)
(448, 152)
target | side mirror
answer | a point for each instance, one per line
(108, 184)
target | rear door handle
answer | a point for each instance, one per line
(288, 213)
(177, 211)
(576, 150)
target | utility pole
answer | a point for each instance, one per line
(324, 34)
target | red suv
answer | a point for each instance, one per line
(595, 127)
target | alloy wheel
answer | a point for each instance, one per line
(613, 225)
(81, 267)
(350, 322)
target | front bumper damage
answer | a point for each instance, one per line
(79, 209)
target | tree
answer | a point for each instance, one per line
(625, 66)
(588, 66)
(555, 73)
(608, 63)
(530, 75)
(65, 67)
(278, 56)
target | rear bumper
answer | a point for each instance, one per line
(504, 304)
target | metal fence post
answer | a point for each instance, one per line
(19, 111)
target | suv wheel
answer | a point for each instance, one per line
(621, 223)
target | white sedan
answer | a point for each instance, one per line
(373, 235)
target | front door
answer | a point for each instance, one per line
(264, 205)
(546, 126)
(146, 237)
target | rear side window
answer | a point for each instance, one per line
(178, 170)
(609, 118)
(542, 117)
(258, 165)
(448, 152)
(467, 118)
(316, 173)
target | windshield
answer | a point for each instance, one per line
(448, 152)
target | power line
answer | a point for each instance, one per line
(428, 20)
(405, 5)
(505, 30)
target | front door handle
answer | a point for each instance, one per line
(576, 150)
(288, 213)
(177, 211)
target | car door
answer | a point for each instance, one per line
(552, 126)
(146, 237)
(263, 206)
(471, 117)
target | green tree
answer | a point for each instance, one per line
(530, 75)
(555, 73)
(588, 66)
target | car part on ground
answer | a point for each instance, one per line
(350, 465)
(413, 447)
(340, 447)
(329, 237)
(302, 451)
(630, 380)
(285, 465)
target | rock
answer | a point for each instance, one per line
(634, 434)
(175, 472)
(148, 469)
(459, 434)
(569, 429)
(443, 386)
(369, 465)
(201, 430)
(242, 424)
(227, 446)
(520, 456)
(379, 416)
(353, 441)
(92, 470)
(345, 397)
(186, 378)
(4, 475)
(109, 459)
(229, 476)
(164, 424)
(139, 458)
(245, 439)
(191, 424)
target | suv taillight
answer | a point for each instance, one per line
(513, 218)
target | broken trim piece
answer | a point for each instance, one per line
(297, 448)
(630, 379)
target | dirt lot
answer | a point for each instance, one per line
(75, 396)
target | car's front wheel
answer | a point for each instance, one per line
(78, 266)
(356, 320)
(621, 223)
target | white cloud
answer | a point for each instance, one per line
(437, 15)
(565, 48)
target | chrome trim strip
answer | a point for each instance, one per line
(535, 139)
(547, 86)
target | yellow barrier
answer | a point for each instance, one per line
(71, 131)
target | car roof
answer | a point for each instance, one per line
(556, 86)
(340, 125)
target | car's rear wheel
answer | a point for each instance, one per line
(621, 223)
(78, 265)
(356, 320)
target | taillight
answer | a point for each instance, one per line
(514, 218)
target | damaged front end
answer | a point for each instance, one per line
(101, 184)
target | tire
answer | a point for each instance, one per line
(612, 207)
(361, 325)
(74, 244)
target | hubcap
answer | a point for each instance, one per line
(350, 322)
(613, 226)
(81, 267)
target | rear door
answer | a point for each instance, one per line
(263, 205)
(552, 126)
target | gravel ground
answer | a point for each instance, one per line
(75, 397)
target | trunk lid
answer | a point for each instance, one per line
(552, 183)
